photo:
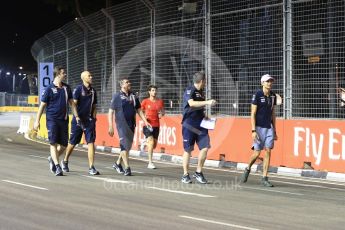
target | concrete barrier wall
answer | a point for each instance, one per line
(319, 142)
(18, 109)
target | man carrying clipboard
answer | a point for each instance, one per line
(193, 113)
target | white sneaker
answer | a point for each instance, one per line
(151, 166)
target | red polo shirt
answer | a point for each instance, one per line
(152, 109)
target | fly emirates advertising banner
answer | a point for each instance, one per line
(320, 142)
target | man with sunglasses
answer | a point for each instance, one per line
(263, 122)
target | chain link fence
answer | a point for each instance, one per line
(299, 42)
(11, 99)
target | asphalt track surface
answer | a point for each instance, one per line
(31, 197)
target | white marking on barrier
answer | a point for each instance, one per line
(101, 148)
(219, 223)
(24, 124)
(26, 185)
(336, 176)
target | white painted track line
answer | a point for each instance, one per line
(181, 192)
(109, 180)
(219, 223)
(274, 190)
(26, 185)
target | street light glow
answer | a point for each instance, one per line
(8, 73)
(20, 67)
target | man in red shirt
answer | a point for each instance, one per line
(153, 108)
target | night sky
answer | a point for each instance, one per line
(23, 22)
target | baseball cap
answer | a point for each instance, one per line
(266, 77)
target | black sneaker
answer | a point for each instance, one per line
(93, 171)
(186, 179)
(127, 172)
(245, 175)
(200, 177)
(58, 171)
(265, 182)
(64, 165)
(51, 165)
(118, 168)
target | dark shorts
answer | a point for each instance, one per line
(88, 127)
(57, 132)
(126, 135)
(154, 133)
(192, 135)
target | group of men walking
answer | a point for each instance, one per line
(55, 98)
(125, 105)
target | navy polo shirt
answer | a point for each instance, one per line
(86, 99)
(57, 101)
(125, 106)
(193, 116)
(264, 110)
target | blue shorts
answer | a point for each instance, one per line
(154, 133)
(126, 135)
(57, 132)
(266, 138)
(192, 134)
(88, 127)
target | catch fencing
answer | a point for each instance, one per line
(301, 43)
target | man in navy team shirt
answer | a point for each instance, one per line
(193, 113)
(55, 98)
(85, 98)
(263, 121)
(125, 105)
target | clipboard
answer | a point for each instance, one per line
(208, 123)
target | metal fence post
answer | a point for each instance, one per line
(332, 60)
(2, 99)
(85, 30)
(287, 59)
(113, 57)
(208, 59)
(46, 36)
(153, 46)
(67, 48)
(151, 7)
